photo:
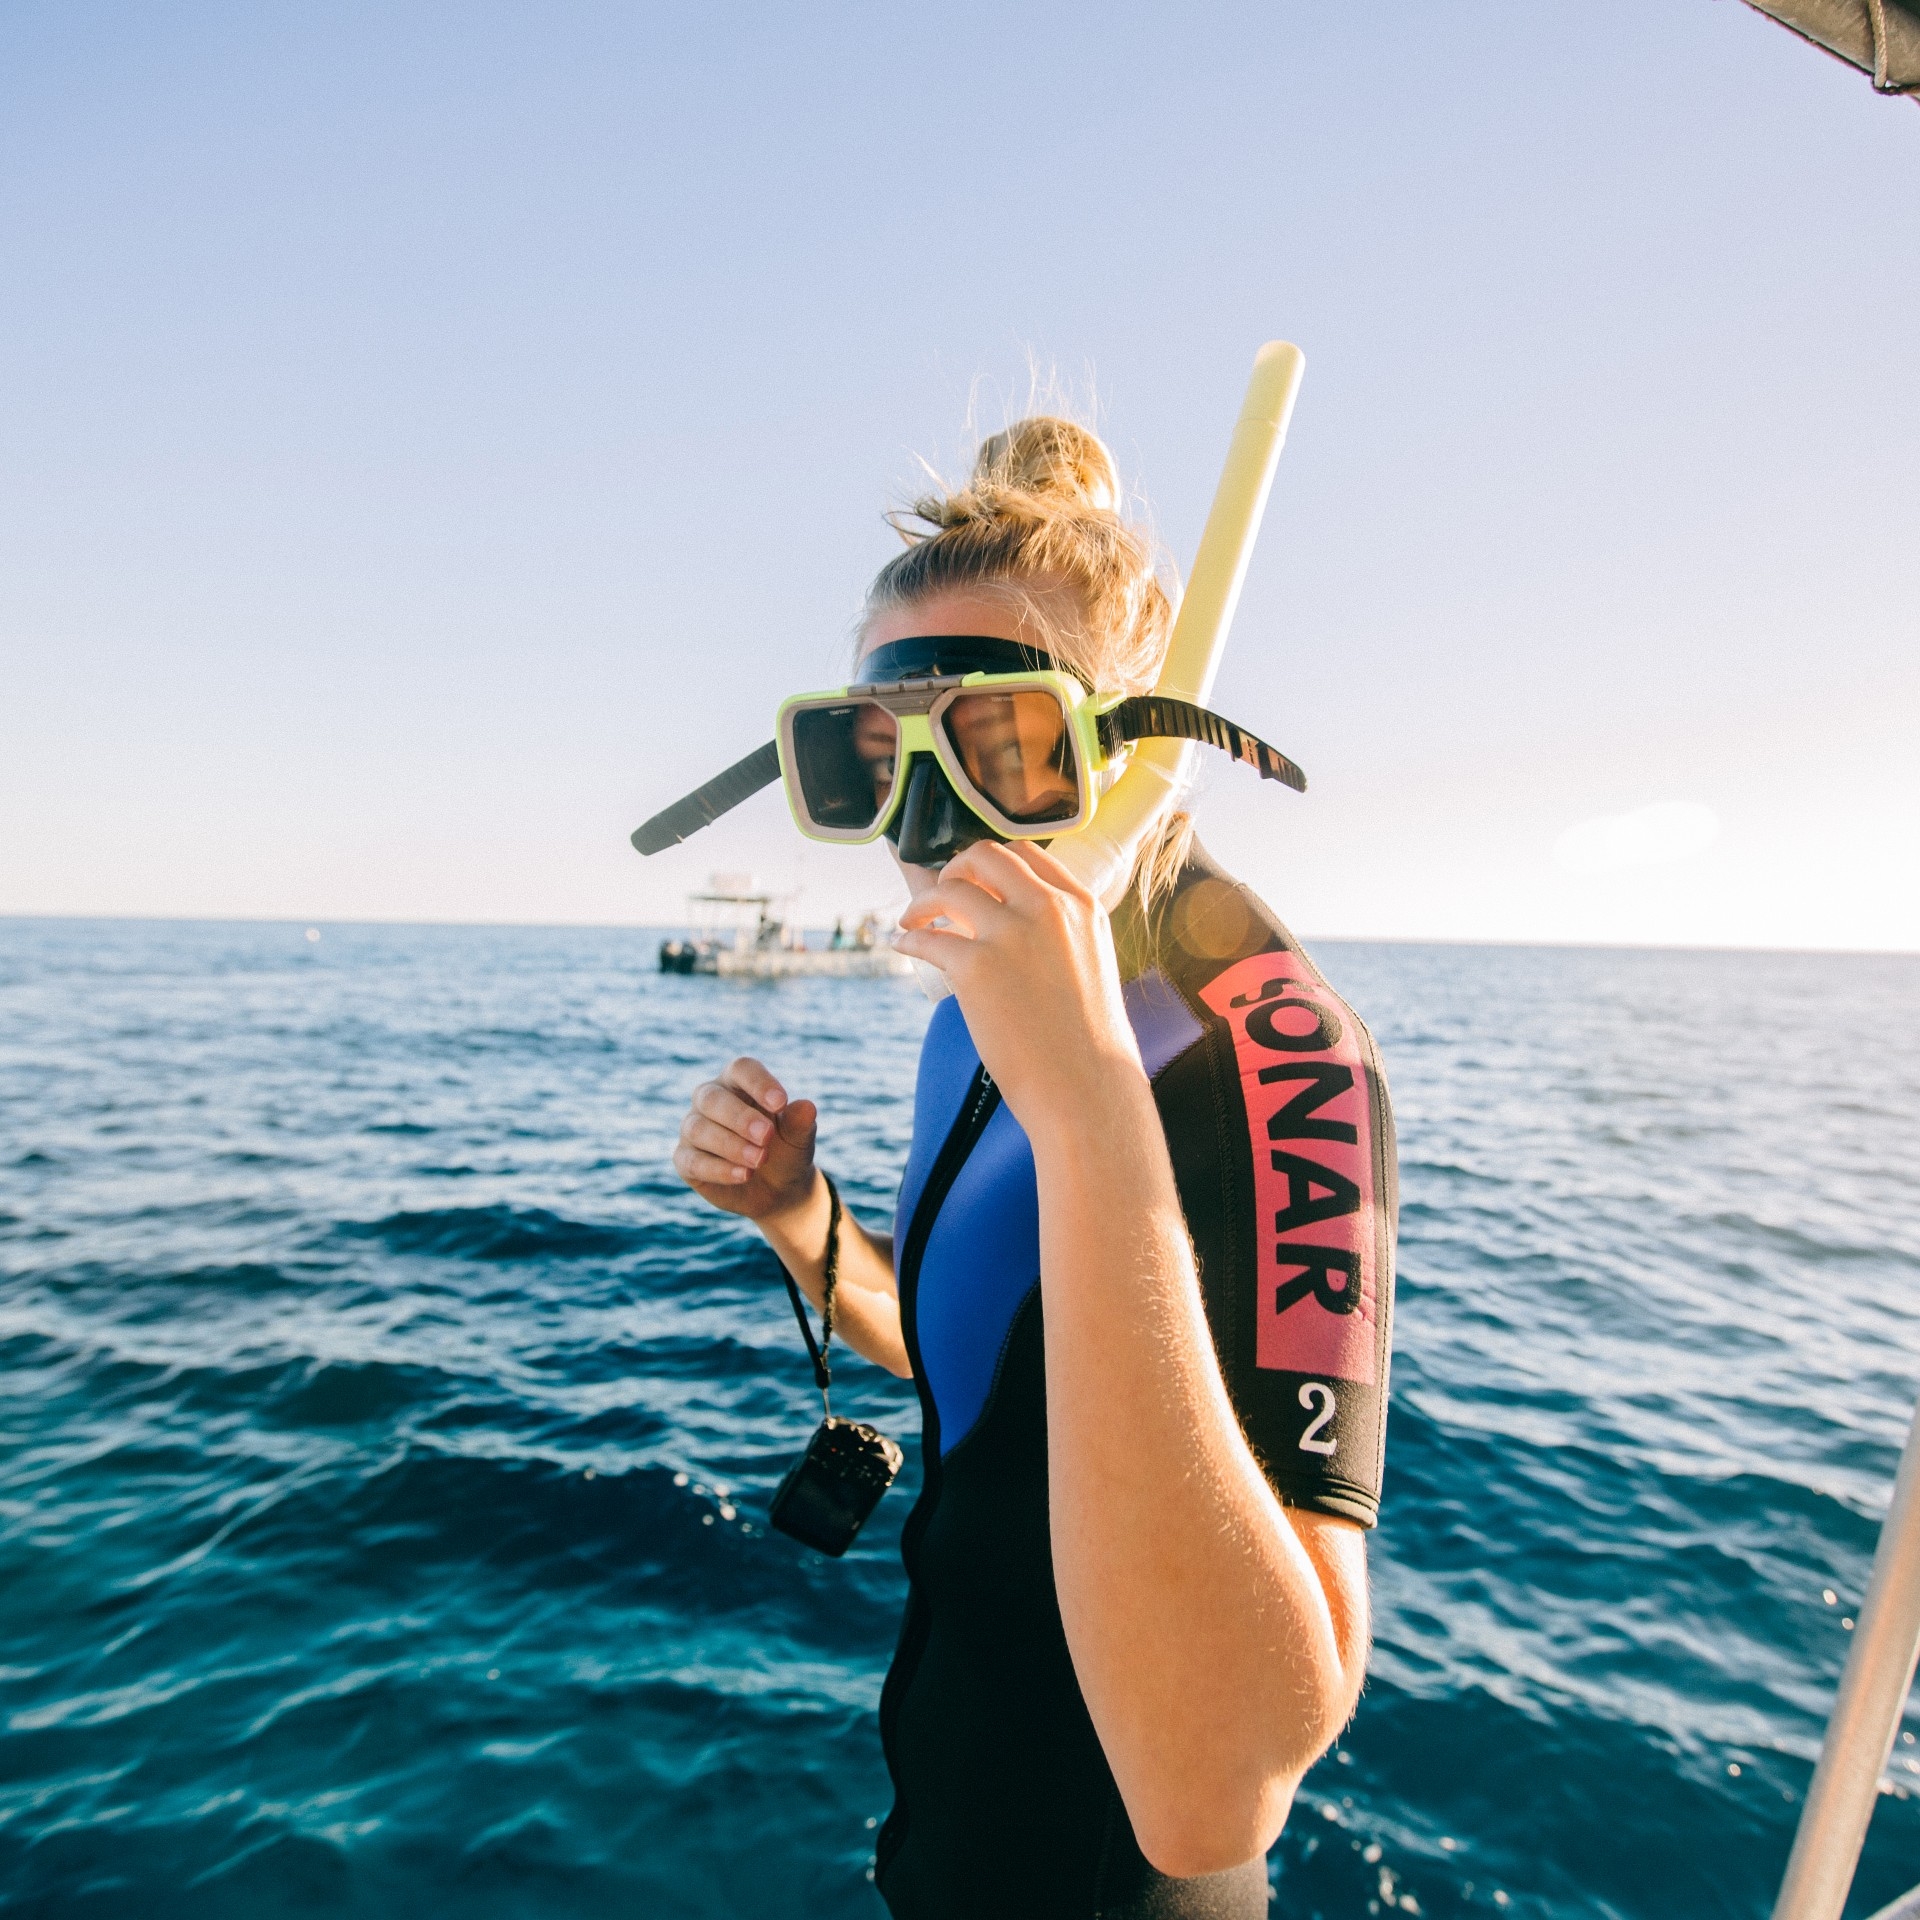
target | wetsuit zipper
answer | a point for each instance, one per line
(982, 1101)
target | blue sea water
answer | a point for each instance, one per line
(387, 1436)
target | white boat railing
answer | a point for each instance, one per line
(1866, 1716)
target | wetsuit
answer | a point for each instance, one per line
(1278, 1127)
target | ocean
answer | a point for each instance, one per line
(387, 1434)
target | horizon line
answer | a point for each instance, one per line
(668, 926)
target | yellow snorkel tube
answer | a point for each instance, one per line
(1102, 853)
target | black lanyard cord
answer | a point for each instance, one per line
(817, 1349)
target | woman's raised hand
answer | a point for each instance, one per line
(744, 1146)
(1030, 953)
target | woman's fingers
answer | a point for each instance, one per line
(699, 1169)
(971, 885)
(968, 907)
(1000, 870)
(937, 947)
(747, 1076)
(924, 910)
(721, 1143)
(1046, 865)
(982, 892)
(743, 1144)
(1024, 878)
(718, 1103)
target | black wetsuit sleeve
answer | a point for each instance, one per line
(1281, 1136)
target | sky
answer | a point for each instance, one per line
(432, 438)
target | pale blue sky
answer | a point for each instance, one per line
(433, 437)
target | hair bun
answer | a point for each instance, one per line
(1047, 456)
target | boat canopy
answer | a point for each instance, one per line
(1880, 37)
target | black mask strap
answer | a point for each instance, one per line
(704, 805)
(933, 656)
(1154, 716)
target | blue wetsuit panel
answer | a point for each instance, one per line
(983, 1255)
(1163, 1023)
(947, 1063)
(982, 1258)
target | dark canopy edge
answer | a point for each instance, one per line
(1880, 37)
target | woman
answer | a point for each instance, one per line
(1142, 1280)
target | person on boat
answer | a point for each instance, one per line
(1141, 1278)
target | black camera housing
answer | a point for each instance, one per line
(831, 1489)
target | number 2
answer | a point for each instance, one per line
(1316, 1393)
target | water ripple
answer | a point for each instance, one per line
(366, 1553)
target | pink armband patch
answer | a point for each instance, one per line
(1303, 1073)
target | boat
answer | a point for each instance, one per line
(742, 932)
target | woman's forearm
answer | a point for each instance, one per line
(866, 1306)
(1218, 1641)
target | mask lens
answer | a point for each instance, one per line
(844, 759)
(1017, 749)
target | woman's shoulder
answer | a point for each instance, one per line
(1281, 1139)
(1203, 927)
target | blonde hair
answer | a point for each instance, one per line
(1039, 520)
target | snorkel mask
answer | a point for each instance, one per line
(950, 739)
